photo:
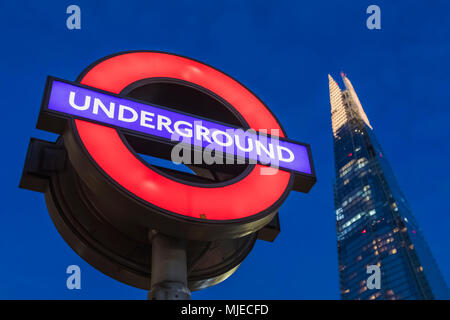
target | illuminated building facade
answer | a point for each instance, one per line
(373, 221)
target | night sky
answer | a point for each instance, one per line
(282, 52)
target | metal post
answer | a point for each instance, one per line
(169, 270)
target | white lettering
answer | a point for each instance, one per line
(202, 132)
(109, 112)
(228, 138)
(147, 116)
(260, 147)
(280, 154)
(122, 109)
(240, 147)
(87, 102)
(187, 132)
(165, 122)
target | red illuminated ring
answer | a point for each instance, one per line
(253, 194)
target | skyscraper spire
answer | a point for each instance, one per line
(341, 100)
(351, 90)
(338, 114)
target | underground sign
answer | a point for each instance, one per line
(166, 106)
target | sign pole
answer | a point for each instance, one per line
(169, 269)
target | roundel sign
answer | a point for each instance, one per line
(131, 105)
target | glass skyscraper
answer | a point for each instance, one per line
(373, 221)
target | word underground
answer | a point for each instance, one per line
(154, 121)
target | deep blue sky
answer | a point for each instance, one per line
(281, 51)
